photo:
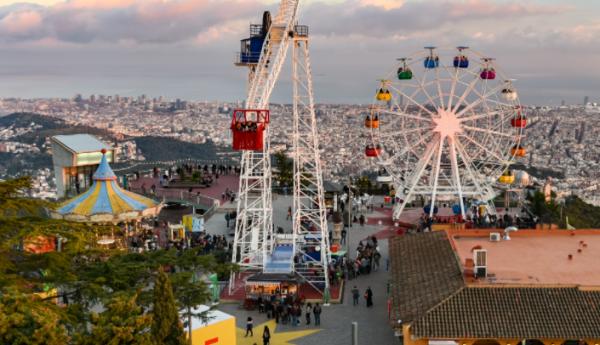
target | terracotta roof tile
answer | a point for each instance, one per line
(425, 271)
(514, 312)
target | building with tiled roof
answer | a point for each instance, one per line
(459, 287)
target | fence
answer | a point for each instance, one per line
(209, 204)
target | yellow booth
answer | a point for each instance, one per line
(218, 329)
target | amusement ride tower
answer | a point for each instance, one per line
(256, 247)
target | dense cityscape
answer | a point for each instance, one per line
(562, 139)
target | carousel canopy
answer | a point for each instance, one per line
(106, 201)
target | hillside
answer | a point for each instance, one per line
(168, 149)
(153, 148)
(50, 127)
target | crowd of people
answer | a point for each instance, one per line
(290, 310)
(368, 258)
(475, 219)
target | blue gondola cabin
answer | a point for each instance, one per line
(461, 61)
(431, 62)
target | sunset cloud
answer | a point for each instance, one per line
(168, 21)
(195, 40)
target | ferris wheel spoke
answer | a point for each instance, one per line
(403, 132)
(411, 147)
(439, 88)
(481, 116)
(465, 93)
(489, 131)
(403, 114)
(423, 89)
(453, 86)
(491, 153)
(478, 101)
(412, 100)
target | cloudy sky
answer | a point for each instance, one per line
(185, 48)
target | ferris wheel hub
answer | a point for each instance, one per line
(446, 123)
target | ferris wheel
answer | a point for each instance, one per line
(446, 125)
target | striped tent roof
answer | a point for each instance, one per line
(106, 201)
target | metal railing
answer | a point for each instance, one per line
(247, 58)
(206, 202)
(301, 30)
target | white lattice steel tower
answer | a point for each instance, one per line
(256, 247)
(309, 203)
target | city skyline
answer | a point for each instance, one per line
(60, 48)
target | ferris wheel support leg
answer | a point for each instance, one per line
(456, 175)
(436, 173)
(468, 165)
(415, 179)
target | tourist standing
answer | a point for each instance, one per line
(289, 214)
(249, 325)
(308, 312)
(266, 336)
(317, 311)
(355, 295)
(294, 315)
(369, 297)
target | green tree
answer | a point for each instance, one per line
(191, 291)
(29, 265)
(122, 323)
(285, 167)
(548, 212)
(28, 321)
(80, 273)
(166, 326)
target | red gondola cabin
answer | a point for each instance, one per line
(372, 151)
(519, 122)
(247, 127)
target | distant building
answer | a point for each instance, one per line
(586, 100)
(75, 158)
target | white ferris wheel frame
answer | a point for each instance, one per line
(458, 158)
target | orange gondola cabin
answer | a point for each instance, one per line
(518, 151)
(372, 121)
(248, 127)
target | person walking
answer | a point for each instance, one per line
(376, 258)
(249, 325)
(355, 295)
(369, 297)
(289, 214)
(266, 336)
(308, 312)
(317, 311)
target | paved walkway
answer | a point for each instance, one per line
(215, 191)
(336, 320)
